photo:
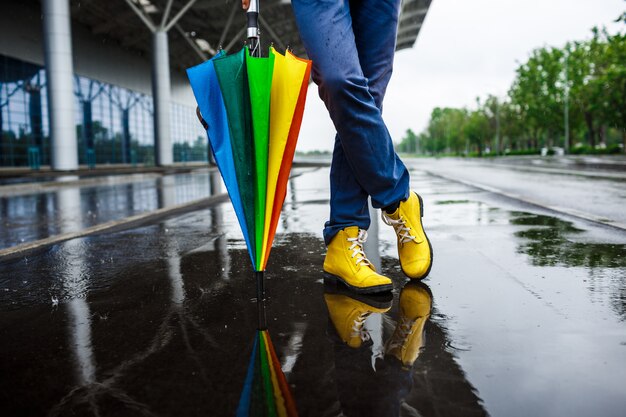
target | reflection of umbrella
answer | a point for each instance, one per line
(265, 391)
(253, 109)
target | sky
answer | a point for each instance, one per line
(467, 49)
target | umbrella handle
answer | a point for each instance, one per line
(205, 125)
(253, 19)
(254, 38)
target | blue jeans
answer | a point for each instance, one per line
(352, 44)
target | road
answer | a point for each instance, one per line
(528, 316)
(598, 195)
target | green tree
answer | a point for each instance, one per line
(537, 93)
(409, 143)
(512, 127)
(591, 74)
(477, 130)
(609, 86)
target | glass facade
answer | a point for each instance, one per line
(114, 125)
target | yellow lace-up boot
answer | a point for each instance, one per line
(348, 315)
(414, 249)
(346, 261)
(408, 337)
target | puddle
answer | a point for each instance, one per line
(550, 241)
(444, 202)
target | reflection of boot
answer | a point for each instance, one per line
(346, 261)
(348, 312)
(414, 249)
(407, 339)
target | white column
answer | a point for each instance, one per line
(59, 73)
(161, 93)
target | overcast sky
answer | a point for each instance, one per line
(467, 49)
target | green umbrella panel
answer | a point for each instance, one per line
(260, 72)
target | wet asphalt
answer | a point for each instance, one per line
(586, 191)
(528, 313)
(32, 211)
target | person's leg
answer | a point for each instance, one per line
(367, 161)
(375, 41)
(348, 200)
(375, 25)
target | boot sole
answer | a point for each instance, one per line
(330, 279)
(377, 300)
(430, 248)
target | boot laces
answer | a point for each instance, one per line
(357, 248)
(358, 329)
(403, 332)
(399, 226)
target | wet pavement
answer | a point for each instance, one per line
(31, 212)
(600, 163)
(585, 192)
(528, 316)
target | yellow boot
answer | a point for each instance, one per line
(348, 315)
(414, 249)
(346, 261)
(408, 337)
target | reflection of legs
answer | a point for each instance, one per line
(368, 163)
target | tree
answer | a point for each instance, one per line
(591, 74)
(608, 89)
(537, 94)
(477, 129)
(409, 142)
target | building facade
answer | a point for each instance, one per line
(113, 105)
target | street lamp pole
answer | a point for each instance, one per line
(566, 104)
(497, 127)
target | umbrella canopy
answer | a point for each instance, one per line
(262, 101)
(265, 391)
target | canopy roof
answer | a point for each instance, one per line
(207, 24)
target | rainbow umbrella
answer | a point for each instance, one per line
(263, 100)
